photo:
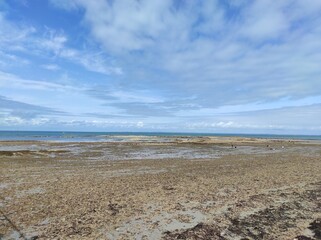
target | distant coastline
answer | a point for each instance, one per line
(73, 136)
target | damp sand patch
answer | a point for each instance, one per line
(153, 224)
(31, 191)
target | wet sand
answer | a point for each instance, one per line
(161, 188)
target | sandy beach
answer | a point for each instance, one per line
(161, 188)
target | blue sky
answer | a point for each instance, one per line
(233, 66)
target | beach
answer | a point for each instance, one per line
(160, 187)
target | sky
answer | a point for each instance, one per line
(216, 66)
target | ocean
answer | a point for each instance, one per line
(120, 136)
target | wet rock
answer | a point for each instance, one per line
(114, 208)
(7, 153)
(315, 226)
(168, 188)
(75, 229)
(263, 223)
(302, 237)
(200, 231)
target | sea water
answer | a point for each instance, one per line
(121, 136)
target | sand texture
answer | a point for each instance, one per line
(161, 188)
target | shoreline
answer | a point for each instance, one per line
(161, 190)
(73, 136)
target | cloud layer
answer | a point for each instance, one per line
(171, 65)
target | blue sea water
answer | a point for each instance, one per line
(117, 136)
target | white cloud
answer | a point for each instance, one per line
(136, 25)
(51, 67)
(66, 100)
(69, 122)
(92, 62)
(128, 25)
(49, 43)
(140, 124)
(209, 61)
(56, 43)
(256, 59)
(67, 5)
(11, 33)
(298, 119)
(52, 40)
(135, 96)
(9, 59)
(265, 20)
(263, 52)
(8, 80)
(11, 121)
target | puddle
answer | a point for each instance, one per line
(152, 226)
(3, 185)
(36, 190)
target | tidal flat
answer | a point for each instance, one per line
(161, 188)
